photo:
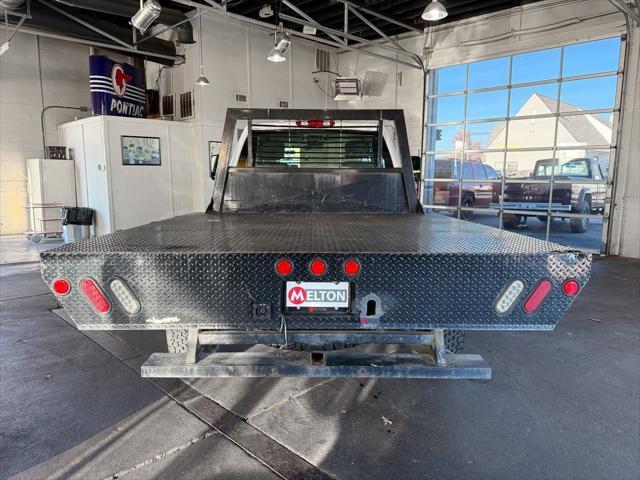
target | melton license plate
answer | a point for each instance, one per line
(317, 296)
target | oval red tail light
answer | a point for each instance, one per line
(61, 286)
(538, 296)
(95, 296)
(571, 288)
(352, 267)
(284, 267)
(318, 267)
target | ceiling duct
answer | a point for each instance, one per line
(128, 8)
(10, 4)
(45, 21)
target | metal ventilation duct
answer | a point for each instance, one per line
(47, 22)
(10, 4)
(128, 8)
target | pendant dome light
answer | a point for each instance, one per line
(434, 11)
(202, 81)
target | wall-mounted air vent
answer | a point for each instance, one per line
(168, 105)
(284, 104)
(323, 60)
(241, 98)
(187, 107)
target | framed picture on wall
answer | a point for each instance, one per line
(140, 150)
(214, 152)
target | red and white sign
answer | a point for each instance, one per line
(317, 295)
(119, 79)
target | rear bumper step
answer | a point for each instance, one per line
(321, 364)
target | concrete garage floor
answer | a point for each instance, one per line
(561, 405)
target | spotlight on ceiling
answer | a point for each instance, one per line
(279, 51)
(148, 13)
(435, 11)
(266, 11)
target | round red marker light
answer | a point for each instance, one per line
(284, 267)
(571, 287)
(318, 267)
(61, 286)
(351, 267)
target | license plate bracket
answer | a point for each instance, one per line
(317, 297)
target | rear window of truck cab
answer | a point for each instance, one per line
(572, 168)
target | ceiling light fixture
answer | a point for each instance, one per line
(435, 11)
(148, 13)
(266, 11)
(202, 81)
(282, 42)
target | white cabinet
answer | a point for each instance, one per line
(125, 196)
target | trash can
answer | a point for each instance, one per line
(76, 223)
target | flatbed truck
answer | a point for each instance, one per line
(314, 252)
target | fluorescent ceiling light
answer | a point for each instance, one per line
(434, 11)
(148, 13)
(3, 49)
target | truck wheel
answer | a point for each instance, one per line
(467, 202)
(542, 218)
(579, 225)
(177, 341)
(454, 340)
(510, 220)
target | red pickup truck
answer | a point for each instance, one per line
(579, 187)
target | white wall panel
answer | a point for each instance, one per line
(64, 68)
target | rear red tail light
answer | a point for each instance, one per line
(61, 286)
(318, 267)
(351, 267)
(284, 267)
(538, 296)
(315, 123)
(571, 288)
(95, 296)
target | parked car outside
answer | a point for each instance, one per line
(477, 187)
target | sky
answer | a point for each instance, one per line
(598, 56)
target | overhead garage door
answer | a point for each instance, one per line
(527, 142)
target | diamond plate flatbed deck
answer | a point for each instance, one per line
(313, 232)
(208, 271)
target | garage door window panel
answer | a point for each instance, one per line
(487, 105)
(489, 73)
(591, 57)
(547, 66)
(589, 94)
(446, 109)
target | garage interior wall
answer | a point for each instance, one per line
(530, 27)
(235, 62)
(34, 73)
